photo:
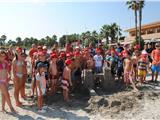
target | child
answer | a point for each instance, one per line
(98, 61)
(18, 74)
(112, 60)
(66, 81)
(142, 67)
(120, 67)
(53, 72)
(4, 72)
(128, 71)
(41, 85)
(135, 60)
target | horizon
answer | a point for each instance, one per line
(38, 19)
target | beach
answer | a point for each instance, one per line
(124, 104)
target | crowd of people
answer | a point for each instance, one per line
(62, 69)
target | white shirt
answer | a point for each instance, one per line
(42, 80)
(98, 60)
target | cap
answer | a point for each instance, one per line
(68, 55)
(77, 54)
(53, 55)
(68, 62)
(53, 52)
(98, 50)
(40, 65)
(19, 49)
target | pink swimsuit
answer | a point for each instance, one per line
(3, 65)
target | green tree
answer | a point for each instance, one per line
(62, 41)
(3, 39)
(133, 5)
(105, 31)
(11, 42)
(19, 41)
(111, 31)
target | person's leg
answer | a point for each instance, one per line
(157, 72)
(156, 76)
(6, 97)
(67, 97)
(3, 102)
(132, 82)
(153, 68)
(16, 91)
(64, 95)
(39, 103)
(33, 86)
(22, 91)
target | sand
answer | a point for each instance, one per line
(124, 104)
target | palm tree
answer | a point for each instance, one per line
(140, 5)
(111, 31)
(132, 4)
(105, 31)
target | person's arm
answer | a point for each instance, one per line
(152, 55)
(14, 68)
(124, 63)
(70, 81)
(38, 84)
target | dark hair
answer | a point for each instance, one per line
(2, 52)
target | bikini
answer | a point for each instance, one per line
(18, 63)
(3, 66)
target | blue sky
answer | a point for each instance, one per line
(39, 18)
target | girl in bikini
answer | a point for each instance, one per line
(18, 74)
(4, 79)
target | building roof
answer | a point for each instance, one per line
(153, 24)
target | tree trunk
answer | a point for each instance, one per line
(135, 12)
(140, 20)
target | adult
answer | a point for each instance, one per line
(131, 49)
(149, 51)
(32, 51)
(45, 51)
(156, 62)
(119, 48)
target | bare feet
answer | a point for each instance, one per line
(18, 104)
(13, 110)
(3, 110)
